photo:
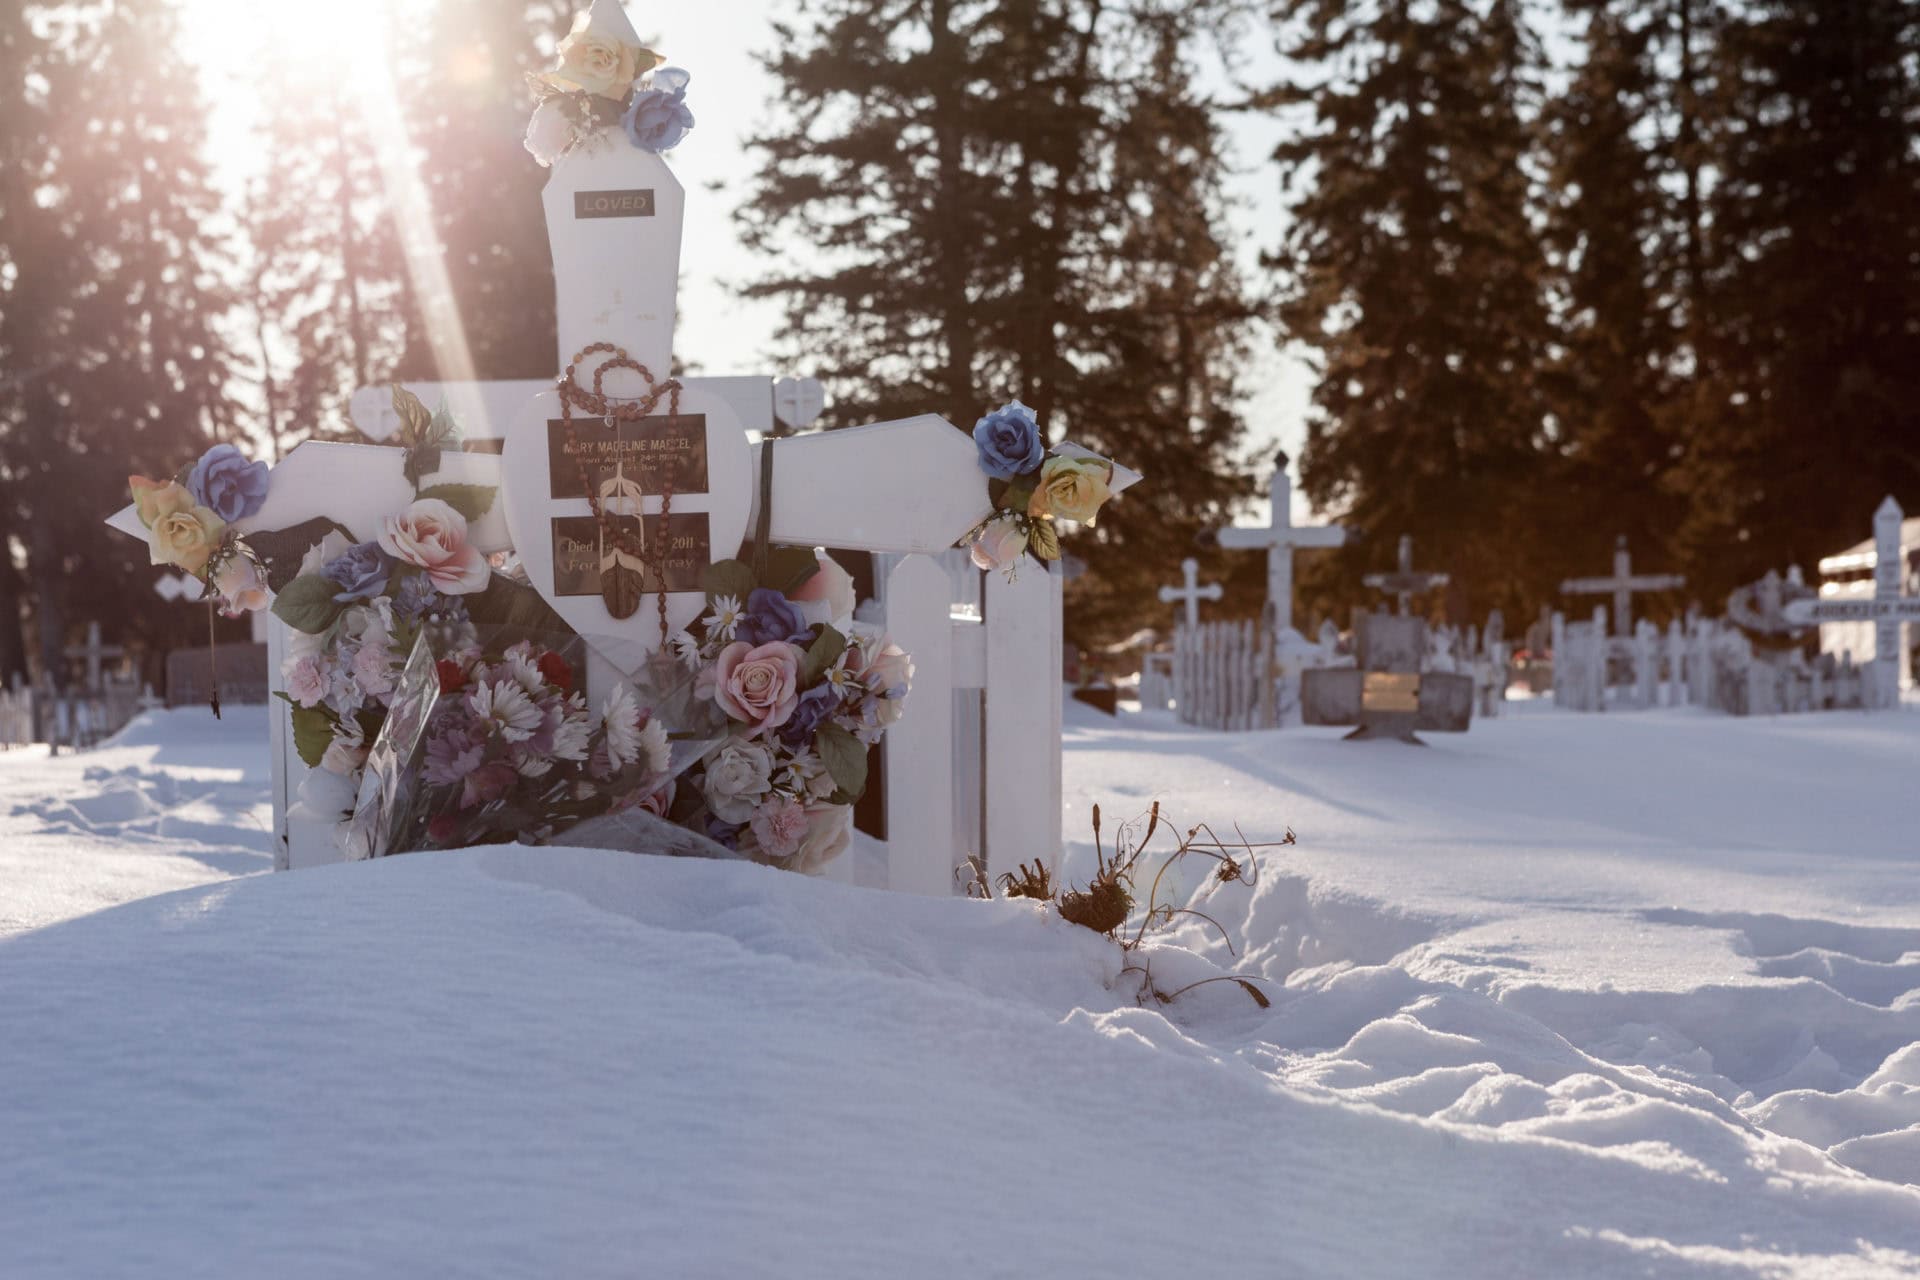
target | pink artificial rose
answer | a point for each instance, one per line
(242, 585)
(757, 686)
(307, 681)
(433, 536)
(779, 825)
(828, 596)
(999, 544)
(659, 802)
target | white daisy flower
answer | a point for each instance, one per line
(622, 723)
(683, 646)
(654, 751)
(505, 707)
(725, 617)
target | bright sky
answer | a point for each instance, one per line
(729, 96)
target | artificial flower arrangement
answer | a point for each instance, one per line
(189, 521)
(1032, 487)
(806, 692)
(603, 81)
(496, 742)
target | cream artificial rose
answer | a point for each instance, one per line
(1071, 488)
(178, 532)
(758, 685)
(738, 778)
(829, 832)
(433, 536)
(598, 64)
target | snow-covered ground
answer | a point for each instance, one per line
(1567, 996)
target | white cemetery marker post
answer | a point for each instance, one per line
(1622, 586)
(1889, 610)
(1192, 594)
(1280, 537)
(93, 651)
(1404, 583)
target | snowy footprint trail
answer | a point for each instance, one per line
(1535, 975)
(557, 1062)
(175, 799)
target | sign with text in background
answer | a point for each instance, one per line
(576, 553)
(654, 453)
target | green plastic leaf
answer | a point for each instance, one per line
(1019, 494)
(312, 734)
(821, 654)
(1043, 540)
(414, 418)
(845, 757)
(281, 550)
(728, 578)
(307, 604)
(470, 500)
(788, 568)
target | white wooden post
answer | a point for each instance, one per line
(919, 749)
(1023, 710)
(1891, 662)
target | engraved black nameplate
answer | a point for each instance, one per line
(577, 552)
(637, 203)
(649, 452)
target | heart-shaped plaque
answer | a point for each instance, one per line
(700, 454)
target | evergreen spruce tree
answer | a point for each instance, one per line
(970, 202)
(109, 300)
(1414, 274)
(1620, 250)
(1815, 372)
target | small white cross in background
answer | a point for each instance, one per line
(1280, 537)
(1193, 593)
(1403, 583)
(1622, 586)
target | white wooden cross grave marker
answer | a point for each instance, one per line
(94, 652)
(1192, 593)
(1622, 586)
(1404, 583)
(1889, 609)
(910, 486)
(1280, 537)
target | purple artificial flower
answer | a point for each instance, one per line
(225, 483)
(657, 118)
(1009, 442)
(812, 711)
(361, 572)
(487, 783)
(725, 833)
(417, 597)
(451, 756)
(770, 616)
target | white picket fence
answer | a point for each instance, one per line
(971, 769)
(75, 719)
(1707, 663)
(1234, 676)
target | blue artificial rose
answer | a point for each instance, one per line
(724, 833)
(657, 118)
(360, 571)
(225, 483)
(1009, 442)
(809, 714)
(771, 616)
